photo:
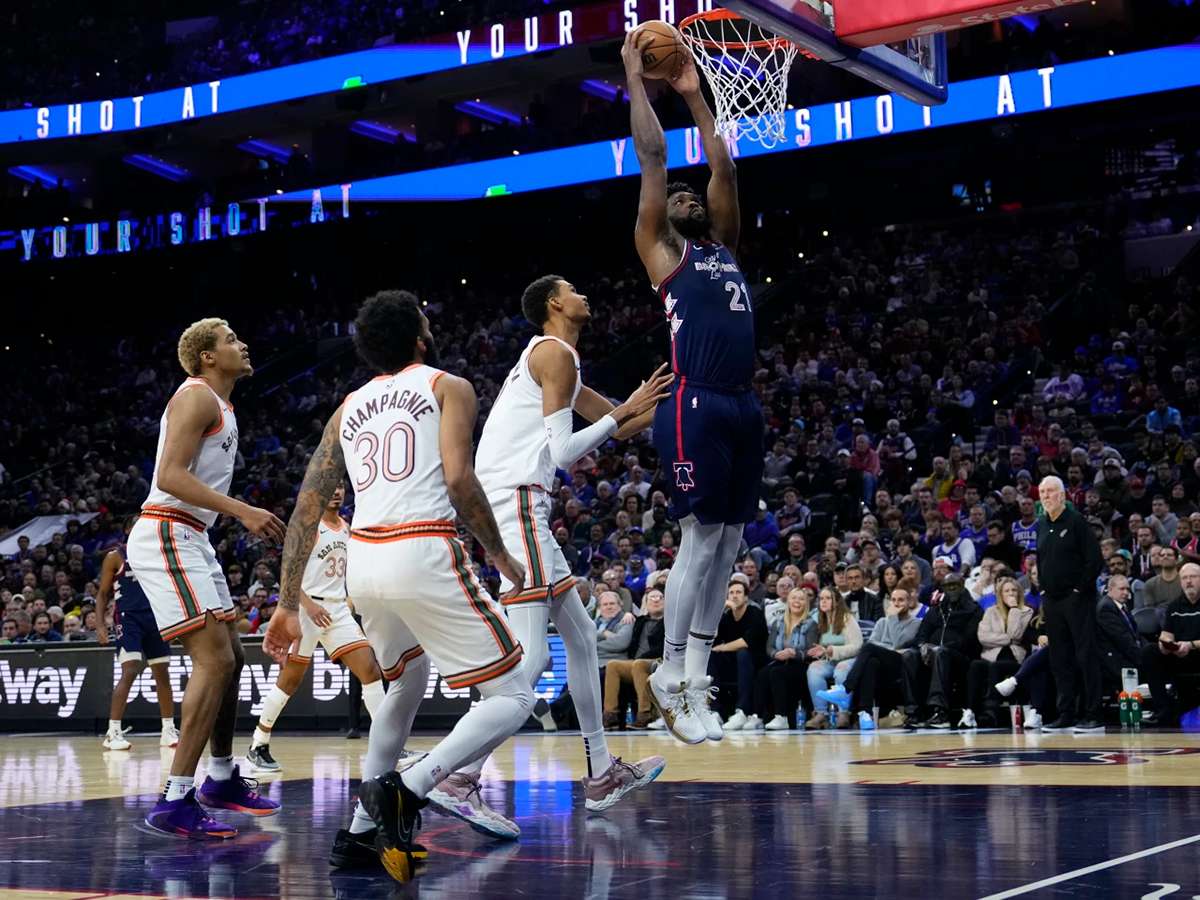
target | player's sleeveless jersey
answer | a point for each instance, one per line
(127, 593)
(712, 322)
(325, 573)
(390, 440)
(213, 463)
(514, 450)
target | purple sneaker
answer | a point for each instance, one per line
(237, 793)
(187, 818)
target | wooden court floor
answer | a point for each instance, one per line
(839, 814)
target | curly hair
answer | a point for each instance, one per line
(386, 330)
(199, 337)
(676, 187)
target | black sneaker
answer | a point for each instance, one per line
(357, 851)
(259, 759)
(1089, 726)
(939, 720)
(915, 721)
(352, 734)
(397, 814)
(1062, 723)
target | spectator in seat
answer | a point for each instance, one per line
(756, 591)
(975, 529)
(642, 652)
(779, 687)
(8, 631)
(1185, 541)
(905, 547)
(1001, 547)
(1177, 651)
(878, 669)
(839, 639)
(1162, 416)
(739, 651)
(73, 629)
(1165, 587)
(1117, 636)
(1001, 632)
(951, 507)
(762, 535)
(796, 554)
(866, 460)
(42, 632)
(862, 603)
(1107, 402)
(946, 642)
(1024, 530)
(1162, 520)
(614, 627)
(1144, 565)
(960, 552)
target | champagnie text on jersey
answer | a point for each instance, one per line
(409, 401)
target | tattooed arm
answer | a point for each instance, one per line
(456, 397)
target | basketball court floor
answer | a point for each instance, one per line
(947, 815)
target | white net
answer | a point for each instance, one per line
(747, 68)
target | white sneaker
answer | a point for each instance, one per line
(779, 723)
(967, 720)
(671, 702)
(753, 723)
(657, 725)
(458, 795)
(409, 758)
(1006, 687)
(170, 736)
(700, 694)
(1032, 720)
(115, 740)
(736, 722)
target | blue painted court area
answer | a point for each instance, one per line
(684, 839)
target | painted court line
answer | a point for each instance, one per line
(1087, 870)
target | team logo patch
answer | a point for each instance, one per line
(683, 476)
(670, 302)
(1008, 759)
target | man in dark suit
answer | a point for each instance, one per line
(1117, 636)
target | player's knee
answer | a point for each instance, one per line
(514, 688)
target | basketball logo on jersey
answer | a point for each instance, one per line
(683, 476)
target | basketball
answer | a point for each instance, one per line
(662, 49)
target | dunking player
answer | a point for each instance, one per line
(528, 435)
(177, 568)
(139, 644)
(709, 433)
(405, 438)
(325, 617)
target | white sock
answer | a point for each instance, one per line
(273, 705)
(361, 822)
(372, 695)
(114, 726)
(597, 753)
(710, 602)
(261, 738)
(695, 665)
(168, 724)
(220, 768)
(685, 589)
(178, 786)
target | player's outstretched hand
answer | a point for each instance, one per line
(632, 56)
(687, 82)
(264, 523)
(645, 398)
(282, 631)
(511, 569)
(319, 614)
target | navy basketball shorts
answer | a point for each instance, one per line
(138, 638)
(709, 445)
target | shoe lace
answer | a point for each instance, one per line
(618, 763)
(248, 786)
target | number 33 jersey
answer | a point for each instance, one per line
(391, 430)
(325, 574)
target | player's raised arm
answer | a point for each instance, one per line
(636, 414)
(190, 414)
(722, 184)
(457, 400)
(651, 232)
(108, 575)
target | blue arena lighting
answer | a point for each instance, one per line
(601, 89)
(158, 167)
(377, 131)
(266, 150)
(488, 113)
(34, 175)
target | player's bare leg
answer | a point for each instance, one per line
(258, 757)
(166, 702)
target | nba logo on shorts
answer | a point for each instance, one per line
(683, 476)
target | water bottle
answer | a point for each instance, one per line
(801, 716)
(1126, 710)
(1135, 710)
(629, 717)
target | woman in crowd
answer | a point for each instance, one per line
(1034, 676)
(779, 687)
(839, 640)
(1001, 633)
(889, 577)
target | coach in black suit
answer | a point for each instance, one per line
(1068, 566)
(1116, 633)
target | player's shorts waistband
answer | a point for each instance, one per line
(380, 534)
(170, 514)
(717, 388)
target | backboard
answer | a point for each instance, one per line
(915, 69)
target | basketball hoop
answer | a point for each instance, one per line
(747, 68)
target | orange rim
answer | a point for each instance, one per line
(727, 15)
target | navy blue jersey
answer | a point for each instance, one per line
(1025, 536)
(712, 322)
(127, 593)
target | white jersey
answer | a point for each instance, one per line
(212, 464)
(391, 430)
(514, 450)
(325, 573)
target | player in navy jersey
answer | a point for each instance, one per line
(139, 644)
(709, 432)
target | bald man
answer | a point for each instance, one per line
(1177, 651)
(1069, 563)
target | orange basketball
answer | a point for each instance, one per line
(661, 47)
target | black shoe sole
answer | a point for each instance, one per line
(384, 804)
(362, 856)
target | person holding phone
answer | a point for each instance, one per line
(1177, 651)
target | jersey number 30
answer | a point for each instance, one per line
(396, 459)
(735, 302)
